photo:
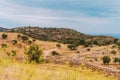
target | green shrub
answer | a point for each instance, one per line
(113, 52)
(58, 45)
(54, 53)
(116, 60)
(4, 45)
(106, 60)
(4, 36)
(72, 46)
(29, 42)
(13, 53)
(14, 42)
(33, 54)
(24, 38)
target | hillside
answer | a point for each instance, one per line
(16, 52)
(2, 29)
(64, 35)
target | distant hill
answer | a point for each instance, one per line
(2, 29)
(64, 35)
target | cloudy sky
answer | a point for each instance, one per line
(87, 16)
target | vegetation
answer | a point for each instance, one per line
(4, 45)
(4, 36)
(54, 53)
(33, 54)
(106, 60)
(66, 36)
(24, 38)
(58, 45)
(13, 70)
(14, 42)
(116, 60)
(72, 46)
(113, 52)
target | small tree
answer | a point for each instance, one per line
(106, 60)
(58, 45)
(4, 36)
(33, 54)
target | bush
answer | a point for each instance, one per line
(4, 36)
(24, 38)
(88, 49)
(4, 45)
(116, 60)
(13, 53)
(14, 42)
(58, 45)
(106, 60)
(29, 42)
(72, 46)
(113, 52)
(54, 53)
(19, 36)
(33, 54)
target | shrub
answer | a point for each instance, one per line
(106, 60)
(19, 36)
(14, 42)
(88, 49)
(24, 38)
(54, 53)
(58, 45)
(72, 46)
(4, 36)
(116, 60)
(33, 54)
(4, 45)
(13, 53)
(113, 52)
(29, 42)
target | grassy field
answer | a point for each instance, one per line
(12, 70)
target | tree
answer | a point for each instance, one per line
(106, 60)
(4, 36)
(33, 54)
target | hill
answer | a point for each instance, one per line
(2, 29)
(64, 35)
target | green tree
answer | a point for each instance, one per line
(33, 54)
(4, 36)
(106, 60)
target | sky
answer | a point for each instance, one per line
(86, 16)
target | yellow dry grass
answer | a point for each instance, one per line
(13, 70)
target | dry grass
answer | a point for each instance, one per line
(13, 70)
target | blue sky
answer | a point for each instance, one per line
(87, 16)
